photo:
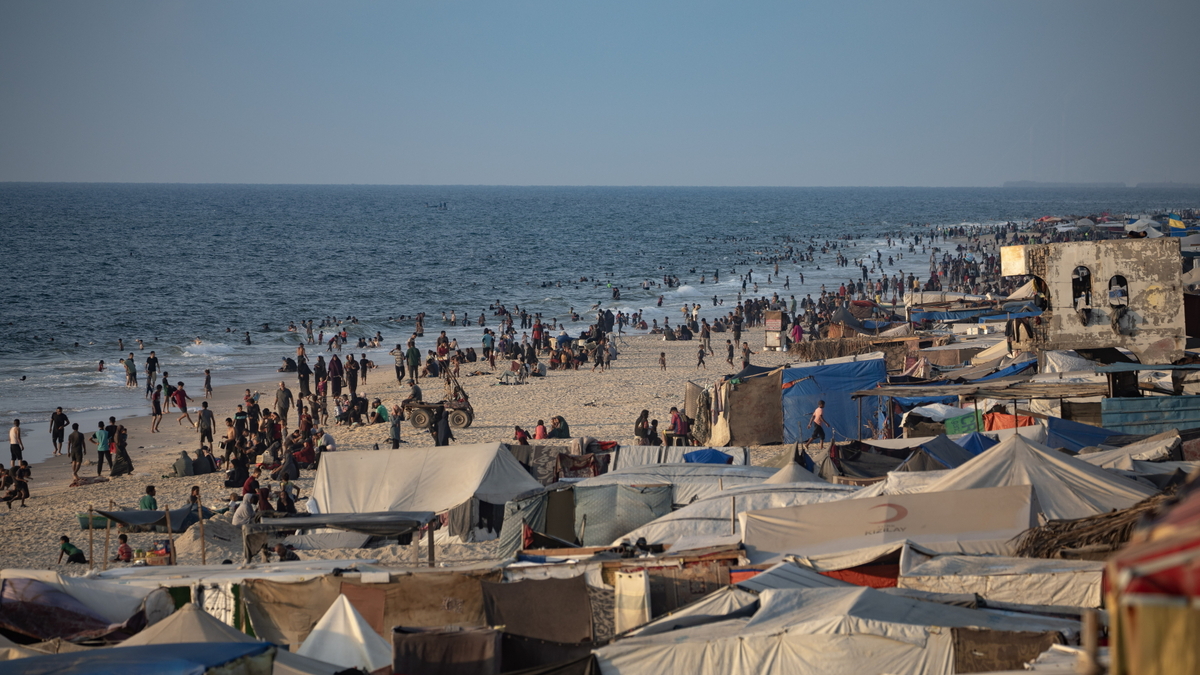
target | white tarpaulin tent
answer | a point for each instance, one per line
(418, 479)
(712, 521)
(1021, 581)
(1027, 290)
(900, 483)
(1065, 487)
(825, 631)
(970, 520)
(344, 638)
(1156, 448)
(192, 624)
(113, 602)
(688, 482)
(793, 473)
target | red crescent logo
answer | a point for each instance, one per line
(901, 512)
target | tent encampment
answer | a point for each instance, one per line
(969, 520)
(937, 454)
(833, 381)
(746, 409)
(1065, 487)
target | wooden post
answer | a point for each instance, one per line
(91, 540)
(107, 530)
(203, 542)
(860, 418)
(1088, 640)
(170, 537)
(432, 554)
(732, 514)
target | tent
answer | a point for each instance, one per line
(936, 454)
(714, 520)
(435, 479)
(344, 638)
(174, 659)
(832, 381)
(1074, 436)
(1003, 580)
(746, 409)
(975, 442)
(1157, 448)
(838, 631)
(192, 624)
(968, 520)
(792, 473)
(1065, 487)
(44, 605)
(688, 482)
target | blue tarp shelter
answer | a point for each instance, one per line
(1075, 436)
(192, 658)
(833, 381)
(707, 456)
(1008, 371)
(937, 454)
(975, 442)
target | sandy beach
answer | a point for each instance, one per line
(599, 404)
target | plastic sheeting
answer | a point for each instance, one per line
(1066, 487)
(975, 442)
(418, 479)
(1075, 436)
(1026, 581)
(937, 454)
(175, 659)
(688, 482)
(605, 512)
(747, 410)
(344, 638)
(1065, 361)
(832, 381)
(713, 521)
(628, 456)
(986, 515)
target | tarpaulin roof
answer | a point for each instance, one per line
(997, 579)
(173, 659)
(713, 520)
(181, 519)
(975, 442)
(384, 524)
(1066, 487)
(689, 481)
(1074, 436)
(936, 454)
(707, 456)
(982, 517)
(418, 479)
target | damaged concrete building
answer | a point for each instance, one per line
(1124, 293)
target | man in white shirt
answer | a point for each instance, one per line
(15, 445)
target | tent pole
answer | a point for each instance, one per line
(107, 530)
(432, 554)
(860, 418)
(91, 541)
(170, 537)
(203, 547)
(732, 514)
(975, 402)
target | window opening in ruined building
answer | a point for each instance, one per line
(1118, 291)
(1081, 287)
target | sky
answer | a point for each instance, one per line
(449, 92)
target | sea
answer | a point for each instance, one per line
(190, 269)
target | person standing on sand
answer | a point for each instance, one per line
(700, 358)
(101, 439)
(662, 360)
(351, 377)
(207, 384)
(401, 359)
(16, 447)
(284, 400)
(335, 375)
(58, 426)
(729, 352)
(413, 356)
(151, 372)
(746, 355)
(817, 424)
(207, 422)
(156, 408)
(76, 447)
(181, 399)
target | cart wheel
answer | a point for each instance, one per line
(470, 419)
(421, 419)
(459, 419)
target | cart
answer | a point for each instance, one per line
(456, 405)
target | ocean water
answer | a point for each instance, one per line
(89, 264)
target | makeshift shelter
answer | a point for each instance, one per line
(1157, 448)
(192, 624)
(1065, 487)
(1006, 581)
(229, 658)
(838, 631)
(44, 605)
(746, 409)
(1075, 436)
(965, 521)
(936, 454)
(833, 381)
(344, 638)
(688, 482)
(156, 521)
(714, 520)
(436, 479)
(975, 442)
(605, 512)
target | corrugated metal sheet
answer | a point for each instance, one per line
(1150, 414)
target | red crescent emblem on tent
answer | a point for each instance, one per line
(901, 512)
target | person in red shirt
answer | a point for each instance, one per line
(251, 485)
(520, 436)
(181, 398)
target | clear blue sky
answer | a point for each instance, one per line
(600, 93)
